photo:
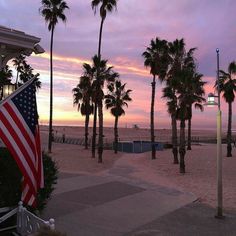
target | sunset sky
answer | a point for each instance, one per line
(204, 24)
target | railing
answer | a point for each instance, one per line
(69, 140)
(165, 139)
(27, 223)
(7, 216)
(80, 141)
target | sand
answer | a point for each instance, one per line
(200, 176)
(126, 134)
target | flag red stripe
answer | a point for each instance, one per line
(20, 132)
(39, 158)
(19, 163)
(28, 196)
(20, 126)
(21, 146)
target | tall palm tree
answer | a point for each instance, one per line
(169, 93)
(106, 76)
(228, 87)
(155, 57)
(185, 75)
(106, 6)
(18, 63)
(196, 98)
(176, 55)
(52, 11)
(82, 94)
(116, 99)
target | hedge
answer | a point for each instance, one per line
(10, 181)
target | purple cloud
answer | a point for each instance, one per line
(204, 24)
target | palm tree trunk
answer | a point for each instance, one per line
(182, 146)
(100, 108)
(51, 94)
(17, 76)
(174, 139)
(94, 130)
(189, 134)
(100, 137)
(100, 39)
(152, 118)
(189, 129)
(116, 135)
(86, 131)
(229, 132)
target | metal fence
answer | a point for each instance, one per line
(80, 141)
(165, 139)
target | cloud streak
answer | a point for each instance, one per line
(204, 24)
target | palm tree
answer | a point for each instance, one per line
(227, 85)
(5, 75)
(196, 94)
(155, 57)
(106, 76)
(52, 11)
(185, 76)
(83, 99)
(176, 55)
(106, 6)
(18, 63)
(5, 78)
(26, 73)
(115, 100)
(169, 93)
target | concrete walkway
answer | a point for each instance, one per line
(115, 203)
(193, 219)
(110, 204)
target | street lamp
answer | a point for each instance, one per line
(211, 102)
(7, 89)
(219, 213)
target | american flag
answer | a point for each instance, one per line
(19, 130)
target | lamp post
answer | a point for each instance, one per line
(211, 102)
(219, 213)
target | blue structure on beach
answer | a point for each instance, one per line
(138, 146)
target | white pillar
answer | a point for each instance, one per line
(219, 167)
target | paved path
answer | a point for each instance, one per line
(110, 204)
(194, 219)
(114, 203)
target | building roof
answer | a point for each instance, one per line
(14, 42)
(17, 39)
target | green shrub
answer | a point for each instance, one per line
(10, 181)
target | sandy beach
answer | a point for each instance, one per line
(126, 134)
(200, 176)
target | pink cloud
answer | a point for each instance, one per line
(204, 24)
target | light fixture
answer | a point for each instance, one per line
(7, 90)
(211, 100)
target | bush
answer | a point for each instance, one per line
(10, 181)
